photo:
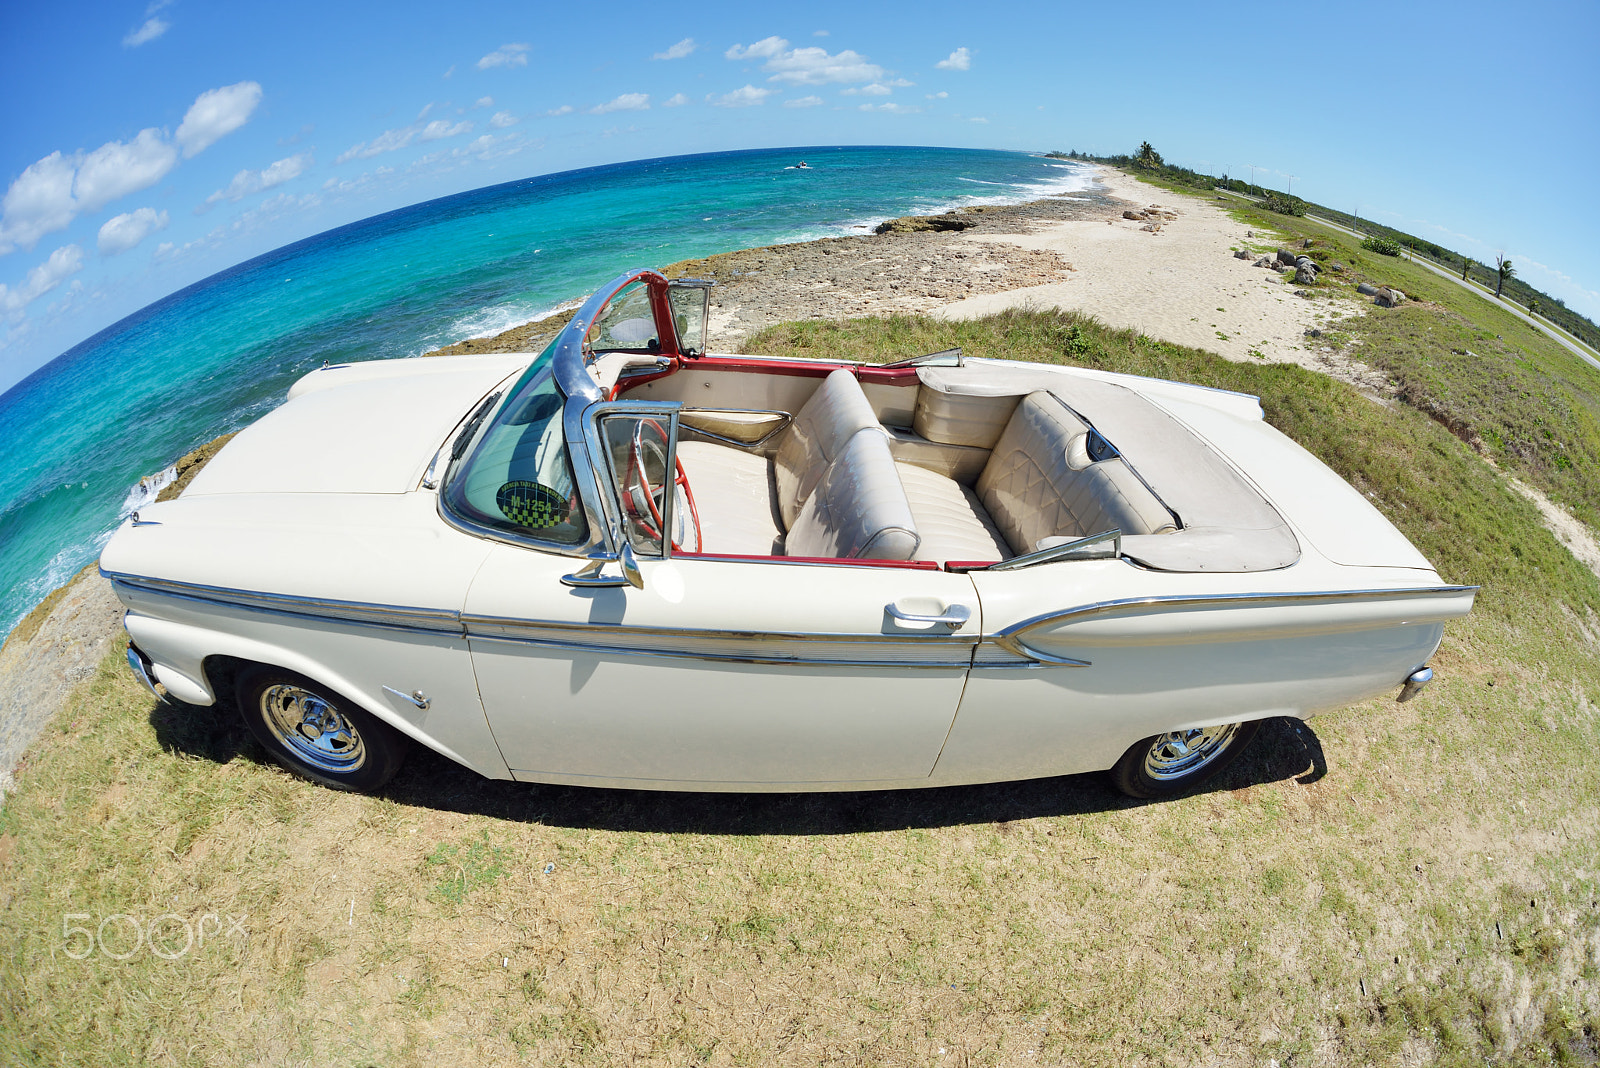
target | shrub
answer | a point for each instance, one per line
(1284, 205)
(1383, 246)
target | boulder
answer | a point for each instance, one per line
(1266, 261)
(1286, 257)
(1367, 289)
(1336, 266)
(1136, 216)
(1242, 254)
(1306, 243)
(1305, 274)
(1306, 261)
(1388, 298)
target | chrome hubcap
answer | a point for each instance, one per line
(312, 729)
(1181, 752)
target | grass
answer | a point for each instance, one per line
(1389, 884)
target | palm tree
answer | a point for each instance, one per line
(1148, 156)
(1467, 263)
(1503, 265)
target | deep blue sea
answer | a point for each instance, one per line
(79, 434)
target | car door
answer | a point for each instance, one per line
(719, 672)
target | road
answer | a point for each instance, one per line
(1576, 347)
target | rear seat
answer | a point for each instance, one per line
(1040, 482)
(830, 491)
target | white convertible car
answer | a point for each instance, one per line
(625, 562)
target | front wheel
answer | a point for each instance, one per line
(316, 734)
(1169, 764)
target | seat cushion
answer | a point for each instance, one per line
(819, 432)
(734, 494)
(1038, 485)
(950, 519)
(859, 509)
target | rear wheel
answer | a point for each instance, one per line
(1165, 765)
(317, 734)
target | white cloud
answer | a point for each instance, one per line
(39, 202)
(625, 102)
(502, 119)
(677, 51)
(979, 119)
(564, 109)
(806, 66)
(891, 108)
(749, 96)
(765, 48)
(804, 102)
(62, 264)
(960, 59)
(875, 89)
(152, 28)
(215, 114)
(115, 169)
(676, 100)
(394, 140)
(938, 96)
(247, 181)
(819, 33)
(388, 141)
(507, 55)
(441, 128)
(122, 232)
(484, 102)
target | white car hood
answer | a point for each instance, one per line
(365, 428)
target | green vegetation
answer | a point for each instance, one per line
(1383, 246)
(1391, 883)
(1283, 204)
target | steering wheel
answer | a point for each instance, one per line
(644, 502)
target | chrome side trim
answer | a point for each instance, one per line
(430, 620)
(1079, 549)
(1011, 637)
(724, 658)
(940, 652)
(475, 628)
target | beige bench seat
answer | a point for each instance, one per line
(830, 490)
(951, 521)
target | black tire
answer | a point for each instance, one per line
(1165, 765)
(317, 734)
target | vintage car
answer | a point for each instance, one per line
(626, 562)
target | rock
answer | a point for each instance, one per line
(1305, 274)
(1153, 227)
(1242, 254)
(912, 224)
(1266, 261)
(1136, 216)
(1336, 266)
(1388, 298)
(1286, 257)
(1313, 333)
(1249, 233)
(1307, 243)
(1367, 289)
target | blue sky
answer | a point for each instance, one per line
(148, 145)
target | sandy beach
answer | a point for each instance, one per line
(1174, 278)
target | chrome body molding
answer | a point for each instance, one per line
(431, 620)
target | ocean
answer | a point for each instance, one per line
(81, 432)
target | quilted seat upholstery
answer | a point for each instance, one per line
(1040, 482)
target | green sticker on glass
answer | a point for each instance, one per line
(532, 505)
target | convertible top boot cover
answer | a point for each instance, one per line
(820, 431)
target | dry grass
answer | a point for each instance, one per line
(1394, 884)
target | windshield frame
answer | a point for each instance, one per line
(567, 362)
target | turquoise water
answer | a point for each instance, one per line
(79, 433)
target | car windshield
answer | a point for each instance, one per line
(516, 476)
(628, 324)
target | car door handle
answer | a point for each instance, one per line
(956, 615)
